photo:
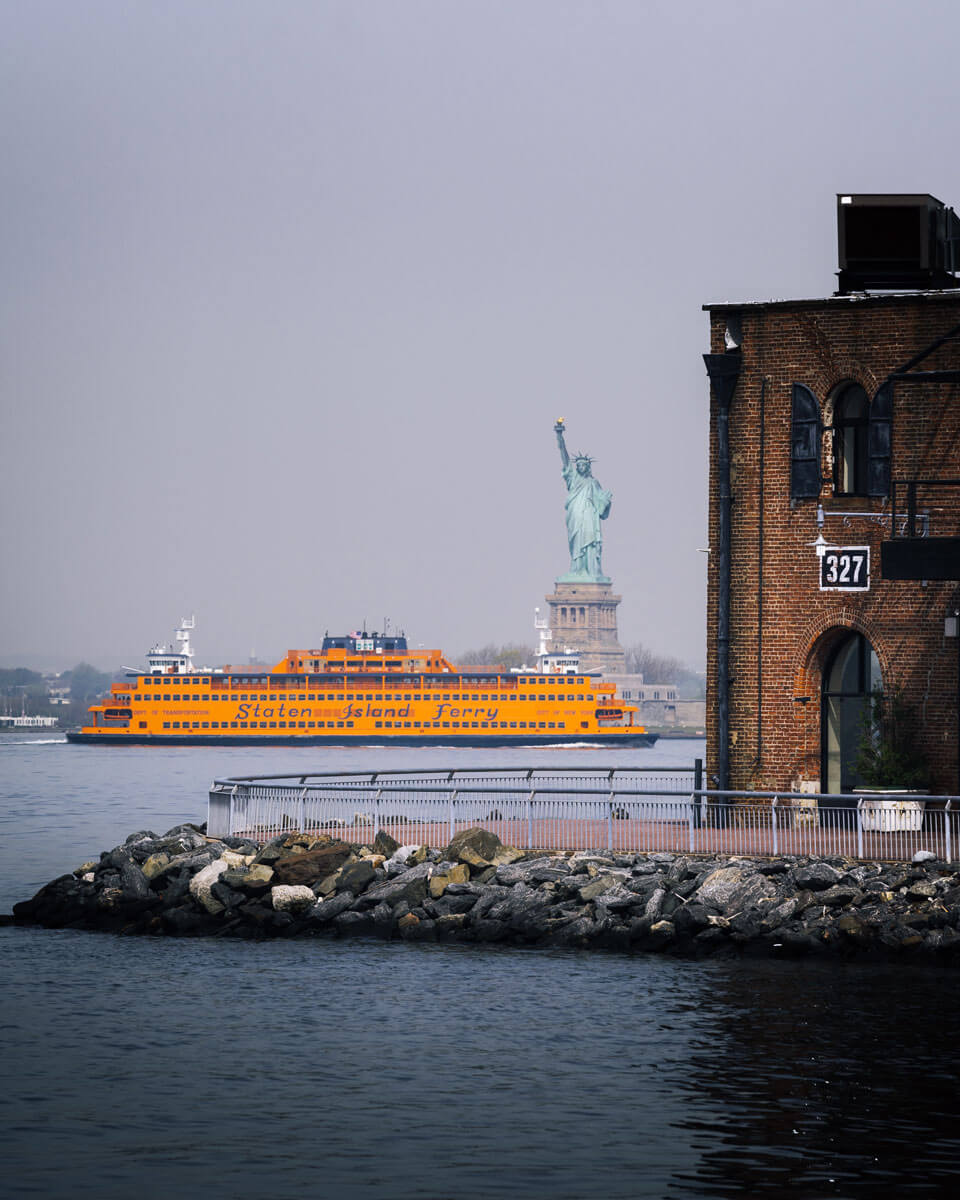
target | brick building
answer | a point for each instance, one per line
(824, 415)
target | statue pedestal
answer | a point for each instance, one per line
(583, 615)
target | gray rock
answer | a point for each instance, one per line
(354, 877)
(816, 876)
(731, 889)
(133, 882)
(654, 905)
(839, 895)
(326, 910)
(923, 856)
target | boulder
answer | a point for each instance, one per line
(153, 865)
(256, 878)
(384, 844)
(354, 876)
(293, 898)
(816, 876)
(438, 883)
(203, 881)
(477, 847)
(309, 866)
(730, 889)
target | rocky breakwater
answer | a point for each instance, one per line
(478, 890)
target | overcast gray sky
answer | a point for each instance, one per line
(292, 294)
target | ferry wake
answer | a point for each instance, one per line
(359, 689)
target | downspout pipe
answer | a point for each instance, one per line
(724, 373)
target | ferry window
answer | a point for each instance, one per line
(283, 724)
(553, 697)
(310, 696)
(301, 724)
(263, 724)
(349, 724)
(407, 696)
(378, 724)
(206, 725)
(234, 724)
(456, 724)
(513, 724)
(273, 724)
(211, 697)
(339, 724)
(584, 725)
(436, 724)
(475, 724)
(446, 724)
(176, 724)
(206, 681)
(406, 724)
(543, 724)
(196, 697)
(302, 697)
(263, 695)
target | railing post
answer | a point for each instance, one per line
(860, 828)
(948, 849)
(376, 812)
(453, 797)
(610, 823)
(776, 840)
(692, 822)
(303, 810)
(530, 819)
(233, 792)
(698, 787)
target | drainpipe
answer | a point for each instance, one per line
(724, 372)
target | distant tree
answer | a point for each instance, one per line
(86, 683)
(664, 668)
(511, 654)
(23, 690)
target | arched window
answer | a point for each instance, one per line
(851, 675)
(851, 420)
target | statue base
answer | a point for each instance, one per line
(583, 616)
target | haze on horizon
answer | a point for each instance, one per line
(294, 293)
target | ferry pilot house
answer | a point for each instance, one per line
(833, 595)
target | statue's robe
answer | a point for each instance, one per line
(587, 505)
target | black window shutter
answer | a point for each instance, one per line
(805, 444)
(878, 443)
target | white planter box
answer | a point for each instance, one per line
(891, 814)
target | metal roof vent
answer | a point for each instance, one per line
(899, 242)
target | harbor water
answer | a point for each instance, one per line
(156, 1067)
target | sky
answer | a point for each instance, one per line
(292, 294)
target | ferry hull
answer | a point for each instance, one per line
(494, 741)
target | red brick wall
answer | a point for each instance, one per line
(774, 734)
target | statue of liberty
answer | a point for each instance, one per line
(587, 505)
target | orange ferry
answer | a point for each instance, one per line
(361, 689)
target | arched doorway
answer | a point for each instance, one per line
(852, 672)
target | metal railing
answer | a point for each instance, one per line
(571, 809)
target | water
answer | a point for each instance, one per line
(156, 1067)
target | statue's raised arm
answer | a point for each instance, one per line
(558, 430)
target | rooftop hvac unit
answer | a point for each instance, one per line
(896, 241)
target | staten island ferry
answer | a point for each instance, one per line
(359, 689)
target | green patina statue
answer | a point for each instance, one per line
(587, 505)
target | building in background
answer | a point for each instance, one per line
(835, 510)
